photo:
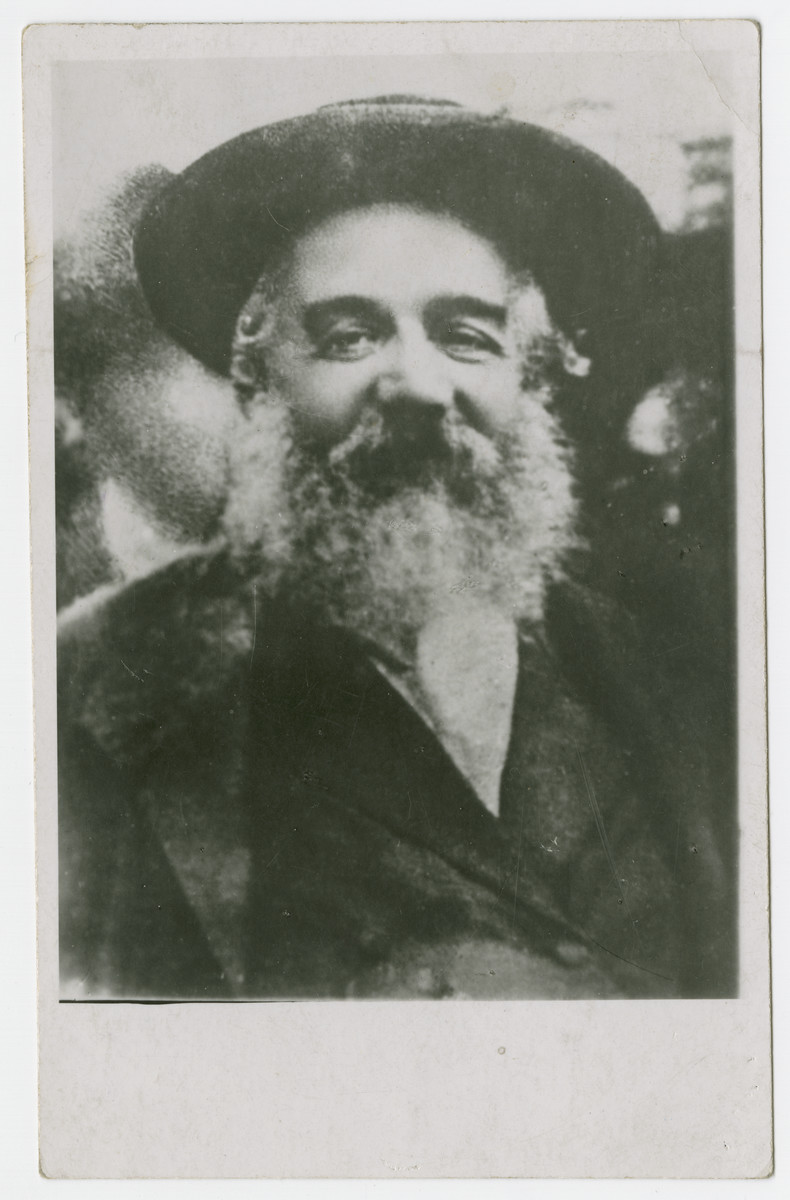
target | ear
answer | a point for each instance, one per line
(250, 339)
(573, 361)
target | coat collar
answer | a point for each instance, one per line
(139, 663)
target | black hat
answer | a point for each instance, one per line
(586, 234)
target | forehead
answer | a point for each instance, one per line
(395, 253)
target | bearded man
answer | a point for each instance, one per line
(380, 742)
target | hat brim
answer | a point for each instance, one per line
(585, 232)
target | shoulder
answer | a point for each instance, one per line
(608, 662)
(595, 639)
(146, 654)
(609, 656)
(183, 587)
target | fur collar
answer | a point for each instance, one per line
(138, 662)
(146, 663)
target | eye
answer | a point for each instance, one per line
(469, 343)
(347, 343)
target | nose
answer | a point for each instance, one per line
(415, 377)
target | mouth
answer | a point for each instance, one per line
(418, 460)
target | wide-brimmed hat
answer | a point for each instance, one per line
(549, 205)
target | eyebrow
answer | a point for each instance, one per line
(316, 316)
(447, 307)
(319, 313)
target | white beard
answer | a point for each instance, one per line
(382, 544)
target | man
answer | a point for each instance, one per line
(380, 742)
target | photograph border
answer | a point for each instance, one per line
(61, 1041)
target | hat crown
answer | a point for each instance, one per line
(396, 99)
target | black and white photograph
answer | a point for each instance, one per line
(395, 551)
(396, 422)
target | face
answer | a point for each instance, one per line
(399, 454)
(399, 311)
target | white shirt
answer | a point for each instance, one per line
(463, 685)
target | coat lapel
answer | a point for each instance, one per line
(325, 730)
(569, 861)
(347, 734)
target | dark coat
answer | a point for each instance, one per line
(248, 809)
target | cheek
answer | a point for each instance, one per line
(326, 399)
(495, 395)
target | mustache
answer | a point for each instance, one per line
(387, 453)
(381, 550)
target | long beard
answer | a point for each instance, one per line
(387, 531)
